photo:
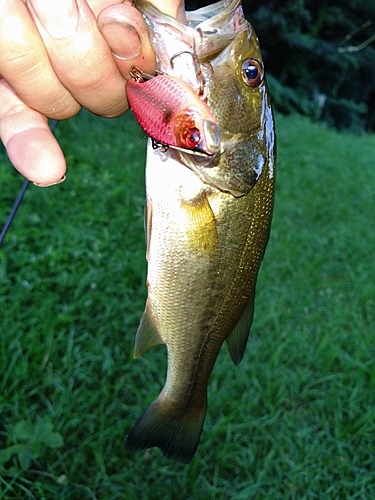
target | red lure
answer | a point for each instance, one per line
(172, 114)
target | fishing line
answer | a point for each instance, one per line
(18, 200)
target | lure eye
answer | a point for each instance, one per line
(192, 138)
(252, 72)
(187, 135)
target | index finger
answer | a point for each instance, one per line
(25, 65)
(79, 54)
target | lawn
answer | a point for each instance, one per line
(295, 420)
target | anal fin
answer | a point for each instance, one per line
(147, 334)
(237, 339)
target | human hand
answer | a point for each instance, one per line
(59, 55)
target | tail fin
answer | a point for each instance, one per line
(177, 435)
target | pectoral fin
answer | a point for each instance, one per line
(147, 334)
(237, 340)
(201, 227)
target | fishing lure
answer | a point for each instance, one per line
(172, 114)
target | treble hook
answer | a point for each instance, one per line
(140, 76)
(136, 74)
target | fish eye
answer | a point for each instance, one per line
(193, 137)
(252, 72)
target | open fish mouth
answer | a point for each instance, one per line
(185, 70)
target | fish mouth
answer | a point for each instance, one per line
(211, 137)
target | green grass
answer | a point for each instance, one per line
(296, 419)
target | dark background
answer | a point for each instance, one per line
(314, 57)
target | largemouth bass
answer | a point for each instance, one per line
(208, 219)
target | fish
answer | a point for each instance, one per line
(207, 221)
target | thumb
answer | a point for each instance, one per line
(125, 31)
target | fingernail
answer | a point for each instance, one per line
(58, 17)
(51, 183)
(122, 38)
